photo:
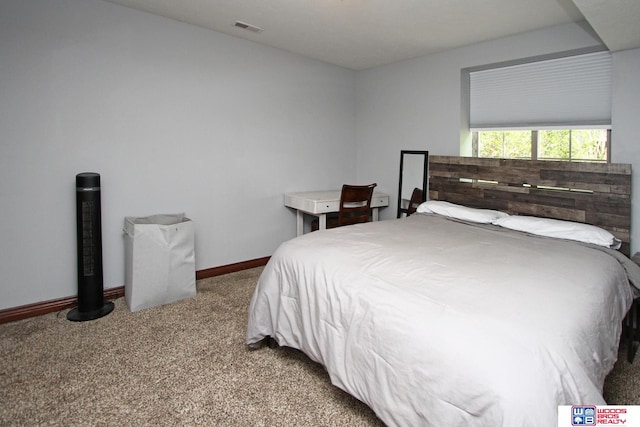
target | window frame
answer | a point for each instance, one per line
(475, 149)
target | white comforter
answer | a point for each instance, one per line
(435, 322)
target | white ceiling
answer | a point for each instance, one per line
(360, 34)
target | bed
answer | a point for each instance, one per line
(444, 319)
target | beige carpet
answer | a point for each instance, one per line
(181, 364)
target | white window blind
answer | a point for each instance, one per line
(564, 92)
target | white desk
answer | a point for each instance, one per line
(320, 203)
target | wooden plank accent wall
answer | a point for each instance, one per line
(592, 193)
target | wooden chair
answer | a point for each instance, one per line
(414, 202)
(416, 198)
(355, 204)
(355, 207)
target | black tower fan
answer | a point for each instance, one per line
(91, 303)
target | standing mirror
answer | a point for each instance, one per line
(413, 182)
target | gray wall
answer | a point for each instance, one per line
(175, 118)
(418, 104)
(625, 111)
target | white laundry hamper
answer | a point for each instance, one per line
(160, 260)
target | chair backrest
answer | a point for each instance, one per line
(414, 202)
(355, 204)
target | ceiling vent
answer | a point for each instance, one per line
(248, 27)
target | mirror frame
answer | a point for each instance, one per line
(425, 177)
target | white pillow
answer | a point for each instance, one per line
(560, 229)
(484, 216)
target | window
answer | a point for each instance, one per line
(515, 144)
(587, 145)
(549, 109)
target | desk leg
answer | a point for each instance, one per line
(322, 221)
(374, 214)
(299, 222)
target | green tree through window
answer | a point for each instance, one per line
(590, 145)
(505, 144)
